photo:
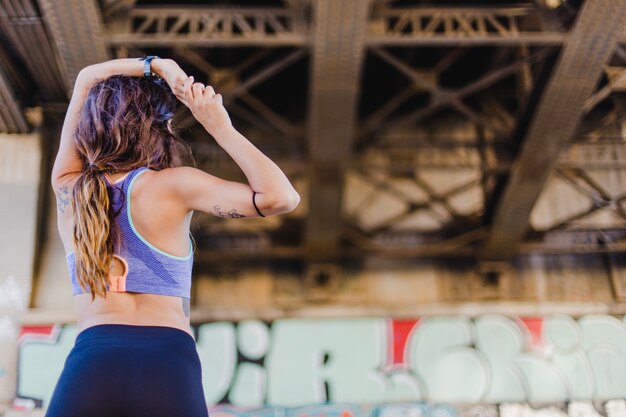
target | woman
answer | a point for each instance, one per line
(124, 208)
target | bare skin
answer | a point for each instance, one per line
(162, 202)
(158, 228)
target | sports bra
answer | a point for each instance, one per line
(147, 269)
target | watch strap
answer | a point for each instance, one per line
(146, 65)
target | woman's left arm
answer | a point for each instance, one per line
(67, 161)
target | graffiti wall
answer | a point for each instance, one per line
(12, 300)
(285, 364)
(613, 408)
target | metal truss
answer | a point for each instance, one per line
(212, 26)
(205, 26)
(458, 26)
(402, 161)
(411, 246)
(604, 155)
(229, 82)
(444, 210)
(580, 241)
(586, 51)
(336, 35)
(599, 197)
(449, 154)
(440, 97)
(403, 245)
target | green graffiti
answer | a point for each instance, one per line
(441, 353)
(218, 356)
(491, 359)
(501, 340)
(564, 336)
(604, 342)
(249, 387)
(309, 357)
(40, 364)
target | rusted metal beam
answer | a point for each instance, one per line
(219, 26)
(211, 26)
(617, 80)
(117, 7)
(588, 47)
(78, 32)
(23, 27)
(11, 118)
(13, 72)
(457, 26)
(336, 66)
(421, 252)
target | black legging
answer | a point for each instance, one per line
(125, 370)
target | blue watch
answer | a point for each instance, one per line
(146, 65)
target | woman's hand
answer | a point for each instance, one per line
(173, 75)
(206, 106)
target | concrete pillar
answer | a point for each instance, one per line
(53, 291)
(20, 162)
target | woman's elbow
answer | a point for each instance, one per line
(292, 200)
(82, 74)
(285, 203)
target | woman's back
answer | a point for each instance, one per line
(163, 225)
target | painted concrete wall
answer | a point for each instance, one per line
(490, 359)
(19, 181)
(612, 408)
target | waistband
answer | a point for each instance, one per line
(130, 331)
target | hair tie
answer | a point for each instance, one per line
(254, 193)
(94, 168)
(164, 117)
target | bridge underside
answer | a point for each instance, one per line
(412, 132)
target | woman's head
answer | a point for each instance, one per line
(125, 124)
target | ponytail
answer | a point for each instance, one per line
(93, 244)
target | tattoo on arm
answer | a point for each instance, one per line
(185, 306)
(228, 215)
(63, 198)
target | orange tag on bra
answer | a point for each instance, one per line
(118, 283)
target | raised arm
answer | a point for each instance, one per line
(67, 162)
(201, 191)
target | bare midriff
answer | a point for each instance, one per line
(131, 309)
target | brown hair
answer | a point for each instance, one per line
(124, 125)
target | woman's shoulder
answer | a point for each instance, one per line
(167, 181)
(157, 193)
(175, 176)
(187, 183)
